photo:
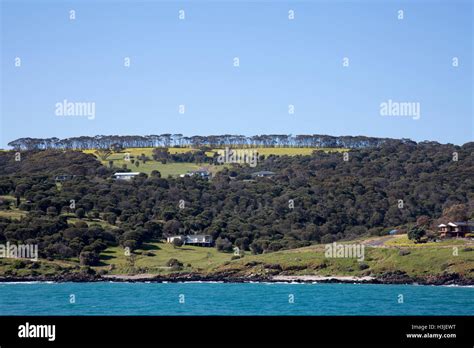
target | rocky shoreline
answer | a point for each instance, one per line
(387, 278)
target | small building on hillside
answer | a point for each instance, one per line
(454, 229)
(63, 177)
(171, 239)
(263, 174)
(202, 173)
(125, 176)
(199, 239)
(203, 240)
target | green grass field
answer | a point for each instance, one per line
(173, 169)
(14, 214)
(168, 169)
(9, 198)
(403, 241)
(431, 260)
(176, 169)
(20, 268)
(294, 151)
(90, 222)
(280, 151)
(194, 259)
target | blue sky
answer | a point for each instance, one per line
(282, 62)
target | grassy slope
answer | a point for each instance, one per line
(290, 151)
(194, 259)
(90, 222)
(13, 213)
(420, 262)
(175, 169)
(294, 151)
(426, 259)
(43, 267)
(423, 260)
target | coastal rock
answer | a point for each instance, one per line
(239, 276)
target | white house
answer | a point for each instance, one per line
(172, 238)
(201, 173)
(193, 239)
(263, 174)
(125, 176)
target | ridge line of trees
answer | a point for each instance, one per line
(216, 141)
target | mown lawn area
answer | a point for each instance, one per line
(173, 169)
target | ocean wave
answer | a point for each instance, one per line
(457, 286)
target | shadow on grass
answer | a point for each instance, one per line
(149, 247)
(101, 264)
(106, 257)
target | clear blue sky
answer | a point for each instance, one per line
(282, 62)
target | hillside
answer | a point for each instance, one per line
(312, 198)
(430, 259)
(394, 260)
(142, 159)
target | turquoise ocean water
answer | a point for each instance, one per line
(232, 299)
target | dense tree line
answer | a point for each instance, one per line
(178, 140)
(50, 162)
(163, 155)
(317, 198)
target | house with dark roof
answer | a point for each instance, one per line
(454, 229)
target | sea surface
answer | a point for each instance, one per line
(108, 298)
